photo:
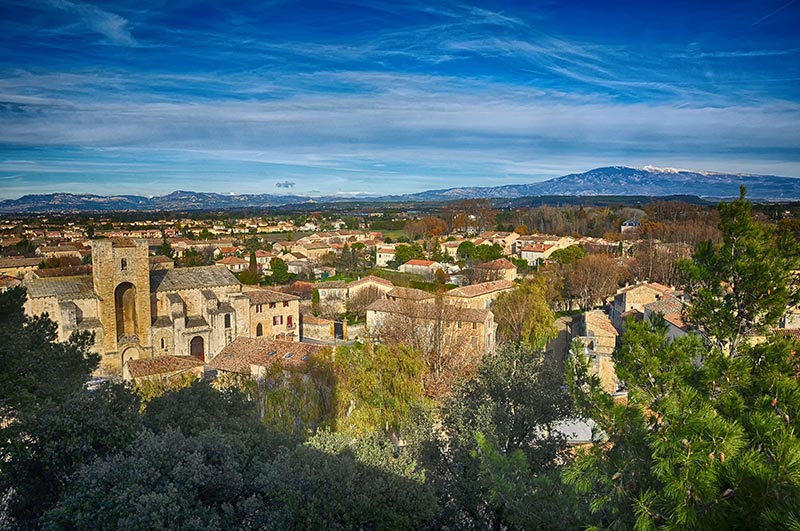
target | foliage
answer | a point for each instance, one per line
(34, 368)
(192, 258)
(42, 449)
(150, 388)
(479, 253)
(568, 255)
(497, 468)
(404, 253)
(594, 279)
(376, 386)
(280, 271)
(523, 315)
(744, 285)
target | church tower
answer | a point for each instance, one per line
(121, 278)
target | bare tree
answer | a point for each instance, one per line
(594, 279)
(449, 338)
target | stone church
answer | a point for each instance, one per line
(137, 312)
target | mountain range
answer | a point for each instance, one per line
(613, 180)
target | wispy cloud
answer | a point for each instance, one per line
(112, 26)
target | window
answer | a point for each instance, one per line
(163, 343)
(259, 330)
(123, 264)
(271, 305)
(285, 304)
(258, 308)
(458, 325)
(227, 320)
(277, 320)
(289, 321)
(474, 326)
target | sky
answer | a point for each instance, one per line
(384, 97)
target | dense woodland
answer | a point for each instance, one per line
(707, 438)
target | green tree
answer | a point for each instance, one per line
(404, 253)
(744, 285)
(498, 468)
(280, 271)
(43, 448)
(523, 315)
(466, 250)
(707, 436)
(377, 385)
(35, 368)
(568, 255)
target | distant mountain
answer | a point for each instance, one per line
(622, 180)
(614, 180)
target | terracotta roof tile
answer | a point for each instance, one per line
(264, 296)
(243, 352)
(476, 290)
(161, 365)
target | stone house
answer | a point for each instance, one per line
(425, 268)
(383, 256)
(630, 300)
(480, 296)
(234, 264)
(500, 269)
(274, 315)
(599, 338)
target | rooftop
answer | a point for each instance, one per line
(243, 352)
(446, 312)
(476, 290)
(161, 365)
(62, 288)
(192, 278)
(264, 296)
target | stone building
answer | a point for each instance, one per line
(136, 312)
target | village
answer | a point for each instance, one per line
(165, 299)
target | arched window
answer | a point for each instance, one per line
(123, 264)
(259, 330)
(163, 343)
(227, 320)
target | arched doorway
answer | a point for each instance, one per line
(196, 348)
(125, 309)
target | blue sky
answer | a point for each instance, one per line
(384, 97)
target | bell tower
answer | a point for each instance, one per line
(121, 277)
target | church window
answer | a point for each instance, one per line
(163, 343)
(123, 264)
(227, 320)
(259, 330)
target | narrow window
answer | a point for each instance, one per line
(163, 343)
(474, 326)
(123, 264)
(289, 321)
(227, 320)
(259, 330)
(285, 304)
(272, 305)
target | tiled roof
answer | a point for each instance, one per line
(232, 260)
(242, 352)
(429, 311)
(9, 282)
(418, 262)
(62, 288)
(476, 290)
(264, 296)
(653, 286)
(310, 319)
(537, 247)
(500, 263)
(370, 279)
(410, 294)
(665, 306)
(19, 262)
(596, 321)
(385, 250)
(191, 278)
(161, 365)
(333, 284)
(160, 259)
(788, 332)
